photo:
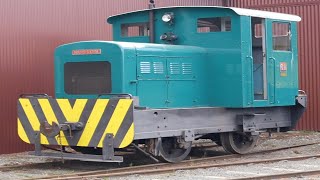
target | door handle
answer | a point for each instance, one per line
(134, 82)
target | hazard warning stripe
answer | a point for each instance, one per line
(55, 108)
(125, 126)
(22, 133)
(72, 114)
(41, 118)
(29, 114)
(98, 133)
(51, 117)
(81, 116)
(99, 116)
(126, 140)
(116, 118)
(25, 125)
(93, 122)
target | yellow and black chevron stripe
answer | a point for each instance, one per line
(99, 116)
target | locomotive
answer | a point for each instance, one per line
(171, 76)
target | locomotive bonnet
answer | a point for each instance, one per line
(171, 76)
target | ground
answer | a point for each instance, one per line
(56, 167)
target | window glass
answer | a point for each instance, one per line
(214, 24)
(87, 77)
(258, 30)
(281, 36)
(135, 29)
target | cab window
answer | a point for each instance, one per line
(214, 24)
(281, 35)
(135, 29)
(87, 77)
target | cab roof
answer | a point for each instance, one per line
(239, 11)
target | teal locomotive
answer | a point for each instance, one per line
(171, 76)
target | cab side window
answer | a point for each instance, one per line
(135, 29)
(281, 35)
(214, 24)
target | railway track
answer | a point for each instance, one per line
(185, 165)
(281, 175)
(197, 145)
(40, 164)
(169, 169)
(14, 167)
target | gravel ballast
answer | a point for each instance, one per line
(56, 167)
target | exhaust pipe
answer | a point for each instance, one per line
(151, 21)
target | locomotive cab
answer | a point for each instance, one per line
(252, 54)
(171, 76)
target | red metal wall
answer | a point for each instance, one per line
(29, 32)
(309, 49)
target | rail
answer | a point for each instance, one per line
(184, 165)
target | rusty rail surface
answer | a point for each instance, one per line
(282, 175)
(181, 166)
(184, 165)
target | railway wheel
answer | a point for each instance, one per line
(238, 143)
(173, 151)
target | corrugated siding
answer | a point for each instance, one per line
(309, 49)
(271, 3)
(29, 32)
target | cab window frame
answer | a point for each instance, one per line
(71, 76)
(125, 29)
(221, 19)
(289, 49)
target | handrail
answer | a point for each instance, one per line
(34, 95)
(302, 92)
(116, 94)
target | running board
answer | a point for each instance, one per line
(80, 157)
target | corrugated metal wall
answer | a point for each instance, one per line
(29, 32)
(309, 49)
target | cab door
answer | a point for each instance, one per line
(280, 62)
(259, 66)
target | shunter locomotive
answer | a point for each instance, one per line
(171, 76)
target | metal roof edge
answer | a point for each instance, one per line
(266, 14)
(239, 11)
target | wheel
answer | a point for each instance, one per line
(172, 151)
(238, 143)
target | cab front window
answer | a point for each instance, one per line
(87, 77)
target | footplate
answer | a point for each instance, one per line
(76, 122)
(107, 152)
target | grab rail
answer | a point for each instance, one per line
(116, 94)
